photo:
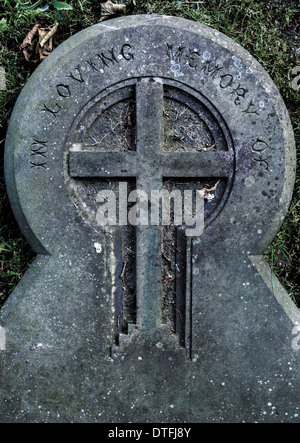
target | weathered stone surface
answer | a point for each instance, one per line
(2, 79)
(165, 102)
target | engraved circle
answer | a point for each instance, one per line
(107, 124)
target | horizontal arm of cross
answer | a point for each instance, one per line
(90, 164)
(197, 164)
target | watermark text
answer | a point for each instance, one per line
(153, 208)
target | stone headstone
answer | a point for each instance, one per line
(138, 322)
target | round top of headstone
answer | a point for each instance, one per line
(79, 122)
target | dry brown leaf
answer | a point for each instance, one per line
(46, 34)
(109, 9)
(27, 45)
(45, 45)
(28, 39)
(205, 191)
(38, 44)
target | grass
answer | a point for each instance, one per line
(268, 29)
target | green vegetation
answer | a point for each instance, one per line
(268, 29)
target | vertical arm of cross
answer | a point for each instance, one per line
(149, 98)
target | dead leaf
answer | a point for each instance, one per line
(46, 34)
(28, 39)
(45, 44)
(27, 45)
(205, 191)
(110, 9)
(38, 44)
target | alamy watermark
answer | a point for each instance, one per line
(2, 339)
(153, 208)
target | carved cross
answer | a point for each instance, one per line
(149, 164)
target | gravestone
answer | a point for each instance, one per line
(138, 322)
